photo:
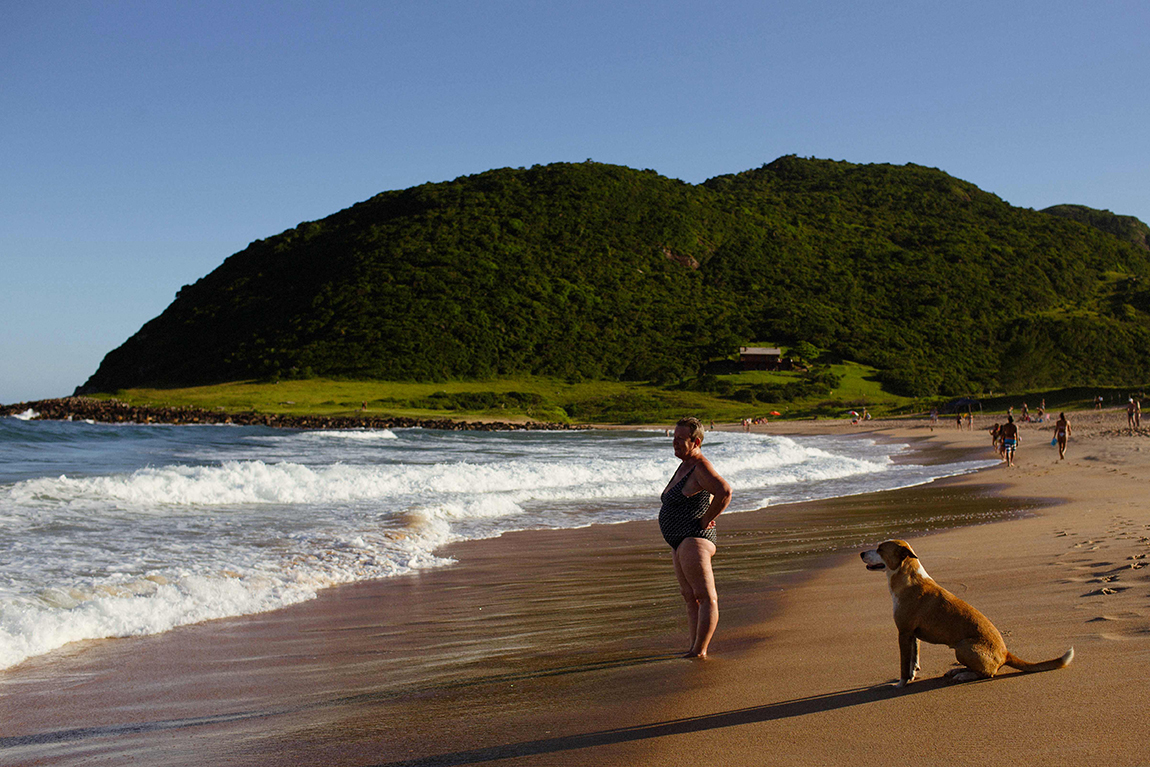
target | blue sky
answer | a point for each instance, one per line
(141, 143)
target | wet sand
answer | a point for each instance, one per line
(560, 647)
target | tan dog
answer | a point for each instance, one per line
(924, 610)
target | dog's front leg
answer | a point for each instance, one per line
(908, 658)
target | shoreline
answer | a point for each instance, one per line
(784, 653)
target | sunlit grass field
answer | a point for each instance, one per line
(524, 398)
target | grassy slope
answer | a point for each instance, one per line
(555, 400)
(586, 402)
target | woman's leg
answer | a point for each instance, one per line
(697, 584)
(688, 598)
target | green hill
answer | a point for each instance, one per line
(597, 271)
(1127, 228)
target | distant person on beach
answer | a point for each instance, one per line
(1137, 413)
(1009, 435)
(1061, 432)
(692, 499)
(1130, 413)
(996, 438)
(1098, 402)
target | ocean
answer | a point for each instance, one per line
(119, 530)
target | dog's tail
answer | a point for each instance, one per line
(1014, 661)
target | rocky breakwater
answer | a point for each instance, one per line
(114, 411)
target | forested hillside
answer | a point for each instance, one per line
(1125, 227)
(597, 271)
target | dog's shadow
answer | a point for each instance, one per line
(769, 712)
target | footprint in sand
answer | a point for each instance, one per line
(1106, 591)
(1127, 625)
(1125, 616)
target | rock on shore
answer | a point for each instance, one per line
(114, 411)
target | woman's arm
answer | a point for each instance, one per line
(710, 481)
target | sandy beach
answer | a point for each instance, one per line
(559, 647)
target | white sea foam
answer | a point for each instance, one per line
(364, 435)
(27, 415)
(201, 524)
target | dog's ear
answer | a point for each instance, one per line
(905, 552)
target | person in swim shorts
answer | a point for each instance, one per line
(1009, 435)
(692, 499)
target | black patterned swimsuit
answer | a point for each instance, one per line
(681, 515)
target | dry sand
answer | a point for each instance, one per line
(556, 648)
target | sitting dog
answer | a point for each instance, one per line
(924, 610)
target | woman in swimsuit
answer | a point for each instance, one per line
(1061, 432)
(693, 498)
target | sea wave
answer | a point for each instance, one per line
(231, 483)
(136, 605)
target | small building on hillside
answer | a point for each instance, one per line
(763, 358)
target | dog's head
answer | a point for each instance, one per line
(888, 556)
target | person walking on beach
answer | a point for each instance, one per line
(1009, 435)
(1061, 432)
(692, 499)
(1130, 413)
